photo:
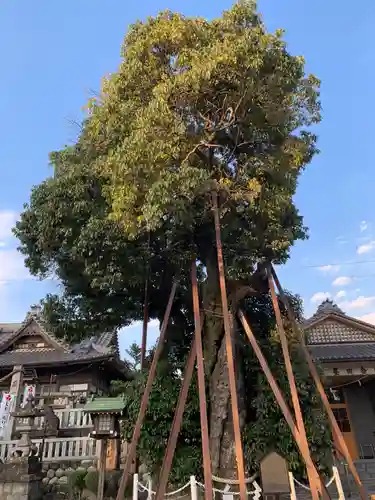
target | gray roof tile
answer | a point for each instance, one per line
(46, 357)
(344, 352)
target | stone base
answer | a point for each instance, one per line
(21, 479)
(21, 491)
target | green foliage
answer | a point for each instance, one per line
(158, 422)
(76, 483)
(134, 356)
(263, 411)
(91, 481)
(195, 106)
(264, 418)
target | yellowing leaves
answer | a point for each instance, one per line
(197, 102)
(254, 186)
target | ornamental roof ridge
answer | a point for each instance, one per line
(327, 307)
(35, 314)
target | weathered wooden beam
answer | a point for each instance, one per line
(315, 375)
(278, 394)
(201, 387)
(229, 350)
(146, 396)
(314, 481)
(176, 425)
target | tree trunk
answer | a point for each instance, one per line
(220, 412)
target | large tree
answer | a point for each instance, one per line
(195, 107)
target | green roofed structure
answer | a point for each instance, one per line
(105, 413)
(105, 405)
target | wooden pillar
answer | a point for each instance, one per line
(113, 454)
(101, 468)
(145, 397)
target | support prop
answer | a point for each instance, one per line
(314, 373)
(277, 393)
(145, 310)
(176, 425)
(201, 387)
(101, 471)
(146, 396)
(196, 353)
(229, 350)
(314, 481)
(145, 325)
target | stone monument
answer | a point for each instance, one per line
(275, 478)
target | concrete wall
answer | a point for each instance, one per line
(362, 416)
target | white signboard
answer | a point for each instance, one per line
(5, 406)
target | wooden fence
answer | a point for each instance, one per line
(58, 449)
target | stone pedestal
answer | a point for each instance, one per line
(275, 479)
(21, 479)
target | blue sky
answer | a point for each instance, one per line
(54, 53)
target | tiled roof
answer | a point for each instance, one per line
(331, 335)
(98, 347)
(344, 352)
(46, 357)
(325, 308)
(332, 331)
(9, 327)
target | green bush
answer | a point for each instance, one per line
(111, 483)
(91, 481)
(76, 481)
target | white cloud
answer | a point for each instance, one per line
(7, 222)
(363, 226)
(12, 266)
(341, 240)
(342, 281)
(358, 303)
(366, 248)
(329, 268)
(340, 294)
(368, 318)
(320, 296)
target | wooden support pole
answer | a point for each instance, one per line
(314, 373)
(314, 480)
(146, 396)
(144, 341)
(277, 393)
(176, 425)
(145, 325)
(145, 310)
(101, 471)
(229, 350)
(201, 387)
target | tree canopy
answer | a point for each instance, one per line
(196, 106)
